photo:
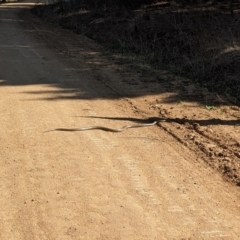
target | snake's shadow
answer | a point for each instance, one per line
(149, 122)
(202, 122)
(136, 120)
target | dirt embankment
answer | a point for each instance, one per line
(200, 41)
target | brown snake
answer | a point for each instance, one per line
(105, 128)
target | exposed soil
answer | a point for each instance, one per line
(178, 179)
(205, 122)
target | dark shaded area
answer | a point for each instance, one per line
(72, 89)
(195, 39)
(136, 4)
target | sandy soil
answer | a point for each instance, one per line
(167, 181)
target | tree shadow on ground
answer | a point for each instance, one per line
(166, 36)
(91, 72)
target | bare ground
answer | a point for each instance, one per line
(176, 180)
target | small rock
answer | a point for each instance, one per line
(227, 159)
(210, 130)
(211, 146)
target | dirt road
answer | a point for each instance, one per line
(138, 184)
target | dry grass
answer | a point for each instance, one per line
(202, 43)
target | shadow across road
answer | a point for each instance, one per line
(88, 75)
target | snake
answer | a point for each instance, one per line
(105, 128)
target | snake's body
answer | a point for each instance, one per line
(104, 128)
